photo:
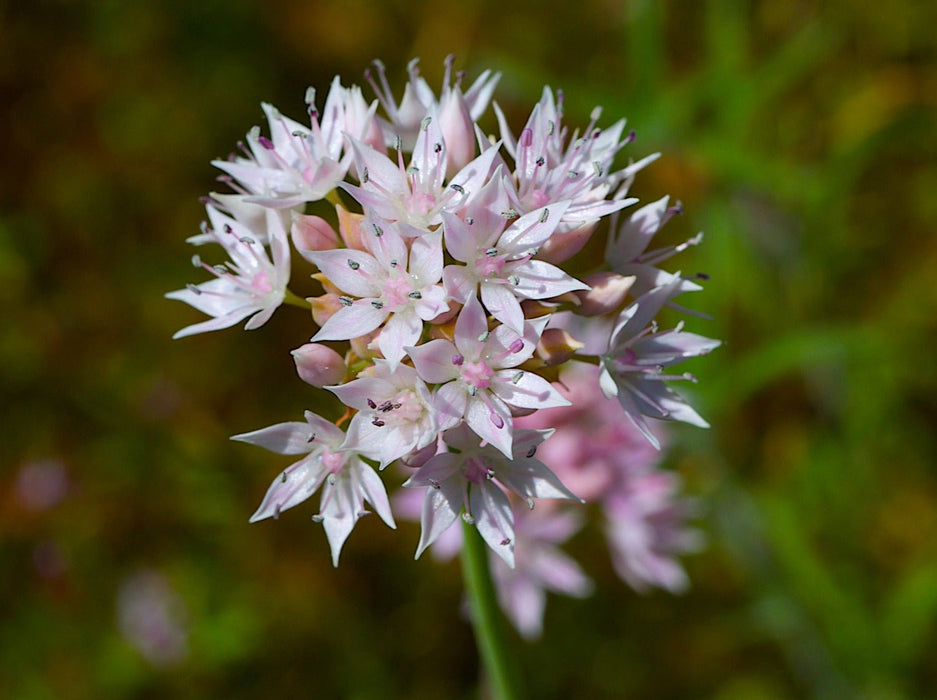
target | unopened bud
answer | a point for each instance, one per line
(324, 306)
(563, 245)
(313, 233)
(418, 458)
(556, 346)
(318, 365)
(607, 294)
(458, 130)
(349, 226)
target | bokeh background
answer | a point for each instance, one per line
(801, 137)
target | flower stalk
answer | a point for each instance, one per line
(487, 622)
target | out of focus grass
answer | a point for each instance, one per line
(801, 138)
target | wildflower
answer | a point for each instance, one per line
(347, 481)
(249, 284)
(632, 367)
(472, 482)
(392, 284)
(395, 414)
(479, 377)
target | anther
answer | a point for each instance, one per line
(631, 136)
(354, 265)
(572, 174)
(457, 360)
(378, 231)
(266, 143)
(394, 263)
(434, 484)
(597, 167)
(424, 125)
(506, 541)
(311, 438)
(247, 240)
(515, 280)
(196, 260)
(415, 294)
(317, 518)
(346, 301)
(517, 377)
(457, 187)
(437, 147)
(510, 214)
(227, 228)
(540, 161)
(532, 451)
(491, 252)
(544, 215)
(284, 477)
(377, 304)
(276, 512)
(377, 422)
(365, 176)
(530, 503)
(192, 288)
(483, 337)
(467, 517)
(331, 478)
(469, 220)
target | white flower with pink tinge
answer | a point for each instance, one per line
(395, 286)
(416, 194)
(548, 170)
(458, 111)
(247, 285)
(347, 481)
(472, 482)
(499, 258)
(479, 377)
(395, 413)
(298, 163)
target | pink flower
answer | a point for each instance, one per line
(347, 482)
(472, 482)
(499, 261)
(249, 284)
(419, 99)
(297, 163)
(632, 367)
(395, 286)
(478, 375)
(395, 414)
(539, 566)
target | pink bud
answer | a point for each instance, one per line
(349, 225)
(607, 294)
(324, 306)
(313, 233)
(563, 245)
(318, 365)
(556, 346)
(458, 131)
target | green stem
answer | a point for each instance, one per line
(486, 618)
(293, 300)
(333, 198)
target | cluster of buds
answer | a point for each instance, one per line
(447, 326)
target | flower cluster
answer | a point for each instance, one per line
(447, 326)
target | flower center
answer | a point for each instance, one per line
(403, 409)
(395, 293)
(333, 461)
(475, 470)
(477, 374)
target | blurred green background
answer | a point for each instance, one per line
(801, 137)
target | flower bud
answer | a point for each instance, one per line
(607, 294)
(324, 306)
(563, 245)
(318, 365)
(458, 130)
(556, 346)
(313, 233)
(349, 226)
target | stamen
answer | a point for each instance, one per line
(544, 215)
(377, 304)
(532, 451)
(517, 377)
(415, 294)
(266, 143)
(353, 264)
(371, 404)
(457, 360)
(346, 301)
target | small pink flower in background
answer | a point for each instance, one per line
(152, 618)
(41, 484)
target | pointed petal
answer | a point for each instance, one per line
(351, 322)
(501, 303)
(493, 519)
(297, 483)
(491, 421)
(433, 361)
(284, 438)
(541, 280)
(526, 390)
